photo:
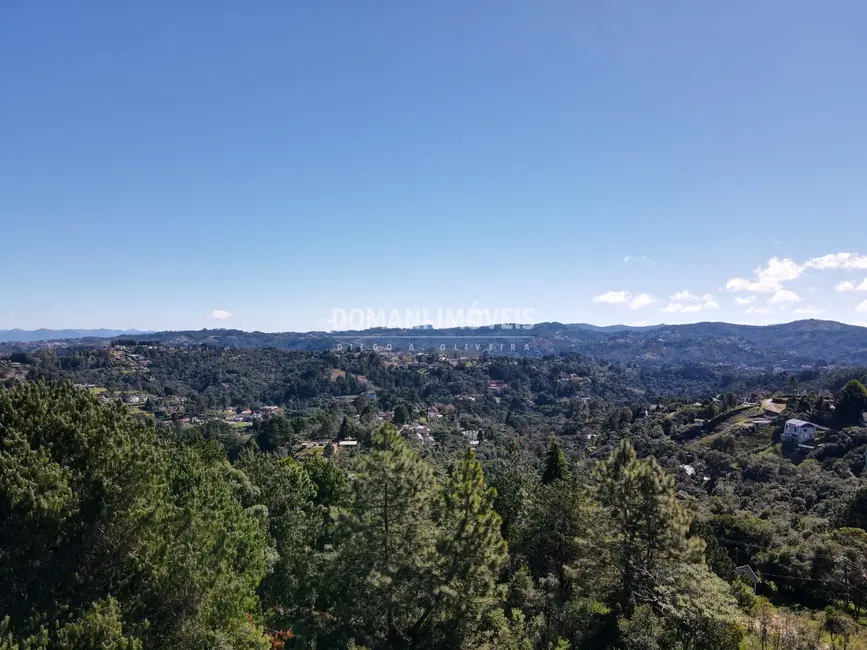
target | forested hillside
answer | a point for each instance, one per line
(788, 346)
(119, 533)
(198, 497)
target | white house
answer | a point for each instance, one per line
(799, 431)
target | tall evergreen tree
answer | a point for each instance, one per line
(555, 533)
(401, 415)
(556, 465)
(470, 550)
(381, 580)
(648, 528)
(346, 430)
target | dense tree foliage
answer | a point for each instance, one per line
(116, 536)
(577, 504)
(851, 403)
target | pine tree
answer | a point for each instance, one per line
(401, 415)
(345, 430)
(555, 534)
(648, 528)
(556, 465)
(470, 550)
(381, 581)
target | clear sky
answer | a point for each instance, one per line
(174, 165)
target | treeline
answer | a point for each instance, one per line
(116, 538)
(119, 535)
(219, 377)
(568, 395)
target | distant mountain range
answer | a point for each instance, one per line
(612, 328)
(785, 346)
(54, 335)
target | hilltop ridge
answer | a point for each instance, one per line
(788, 345)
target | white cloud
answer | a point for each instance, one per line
(862, 308)
(809, 311)
(838, 261)
(622, 297)
(219, 314)
(687, 295)
(740, 284)
(639, 259)
(680, 308)
(778, 271)
(769, 277)
(851, 286)
(745, 300)
(641, 300)
(613, 297)
(783, 296)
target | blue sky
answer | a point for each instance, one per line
(198, 164)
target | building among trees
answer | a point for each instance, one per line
(799, 431)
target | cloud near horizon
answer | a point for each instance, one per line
(641, 300)
(219, 314)
(625, 297)
(775, 287)
(783, 296)
(612, 297)
(680, 308)
(771, 278)
(682, 296)
(809, 311)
